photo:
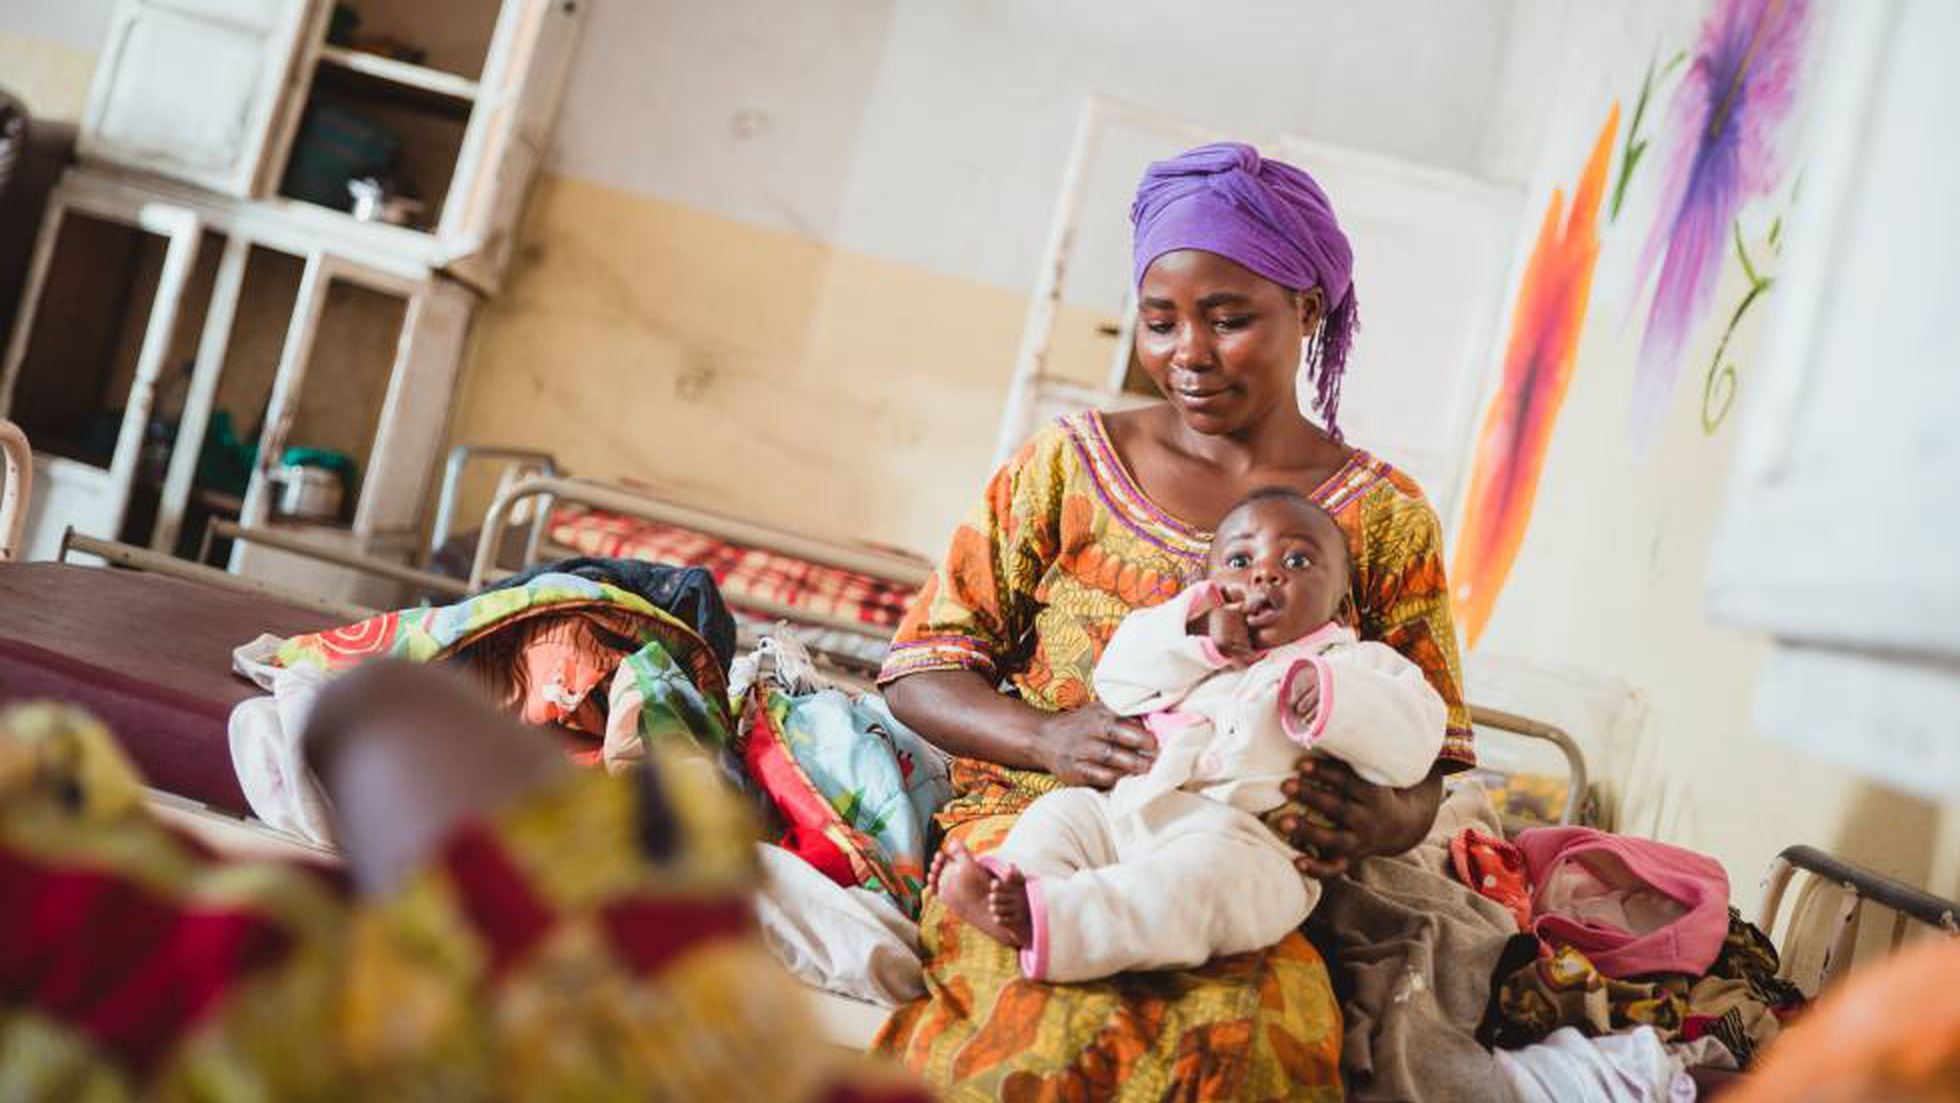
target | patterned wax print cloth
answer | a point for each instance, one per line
(1063, 544)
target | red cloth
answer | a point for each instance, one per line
(1494, 868)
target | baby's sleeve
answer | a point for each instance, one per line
(1153, 660)
(1377, 713)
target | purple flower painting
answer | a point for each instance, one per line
(1724, 124)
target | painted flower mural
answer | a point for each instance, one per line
(1538, 357)
(1724, 125)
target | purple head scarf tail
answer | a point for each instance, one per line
(1268, 216)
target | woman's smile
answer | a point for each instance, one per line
(1200, 396)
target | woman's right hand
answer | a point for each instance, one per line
(1093, 746)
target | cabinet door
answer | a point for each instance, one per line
(517, 99)
(191, 89)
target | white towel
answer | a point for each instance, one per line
(265, 744)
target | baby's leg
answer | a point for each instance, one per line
(1199, 880)
(1060, 833)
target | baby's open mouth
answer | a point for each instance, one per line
(1261, 610)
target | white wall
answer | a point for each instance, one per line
(79, 24)
(932, 132)
(1608, 586)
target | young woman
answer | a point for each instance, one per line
(1241, 271)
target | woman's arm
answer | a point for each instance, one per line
(961, 713)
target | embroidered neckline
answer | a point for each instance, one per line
(1126, 497)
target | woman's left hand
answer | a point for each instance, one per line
(1365, 819)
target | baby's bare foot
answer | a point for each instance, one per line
(1007, 900)
(968, 887)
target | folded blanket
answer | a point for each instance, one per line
(847, 940)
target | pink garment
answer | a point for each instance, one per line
(1632, 906)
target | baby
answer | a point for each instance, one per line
(1235, 677)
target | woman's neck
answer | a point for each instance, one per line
(1283, 439)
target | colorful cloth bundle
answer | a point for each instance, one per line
(853, 790)
(594, 940)
(679, 688)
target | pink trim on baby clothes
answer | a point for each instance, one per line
(1033, 956)
(1165, 723)
(1205, 597)
(1324, 708)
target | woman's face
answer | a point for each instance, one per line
(1221, 341)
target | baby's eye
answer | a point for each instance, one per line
(1158, 327)
(1238, 561)
(1298, 561)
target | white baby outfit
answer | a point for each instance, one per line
(1173, 867)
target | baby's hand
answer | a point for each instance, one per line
(1226, 628)
(1304, 694)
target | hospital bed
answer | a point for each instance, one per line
(841, 599)
(844, 599)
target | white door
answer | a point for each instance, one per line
(1432, 252)
(190, 89)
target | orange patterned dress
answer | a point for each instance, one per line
(1065, 544)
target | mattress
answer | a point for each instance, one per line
(148, 655)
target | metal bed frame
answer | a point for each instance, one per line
(1580, 807)
(1859, 886)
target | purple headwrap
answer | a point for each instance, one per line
(1268, 216)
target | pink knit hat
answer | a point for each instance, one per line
(1632, 906)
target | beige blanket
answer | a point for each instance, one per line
(1416, 950)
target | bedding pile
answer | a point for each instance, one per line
(1622, 936)
(621, 660)
(599, 665)
(1572, 964)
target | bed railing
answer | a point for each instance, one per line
(16, 488)
(460, 457)
(864, 560)
(1578, 793)
(1859, 886)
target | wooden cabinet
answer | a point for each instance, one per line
(236, 96)
(190, 268)
(193, 89)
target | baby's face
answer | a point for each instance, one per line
(1287, 561)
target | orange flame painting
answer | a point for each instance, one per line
(1545, 326)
